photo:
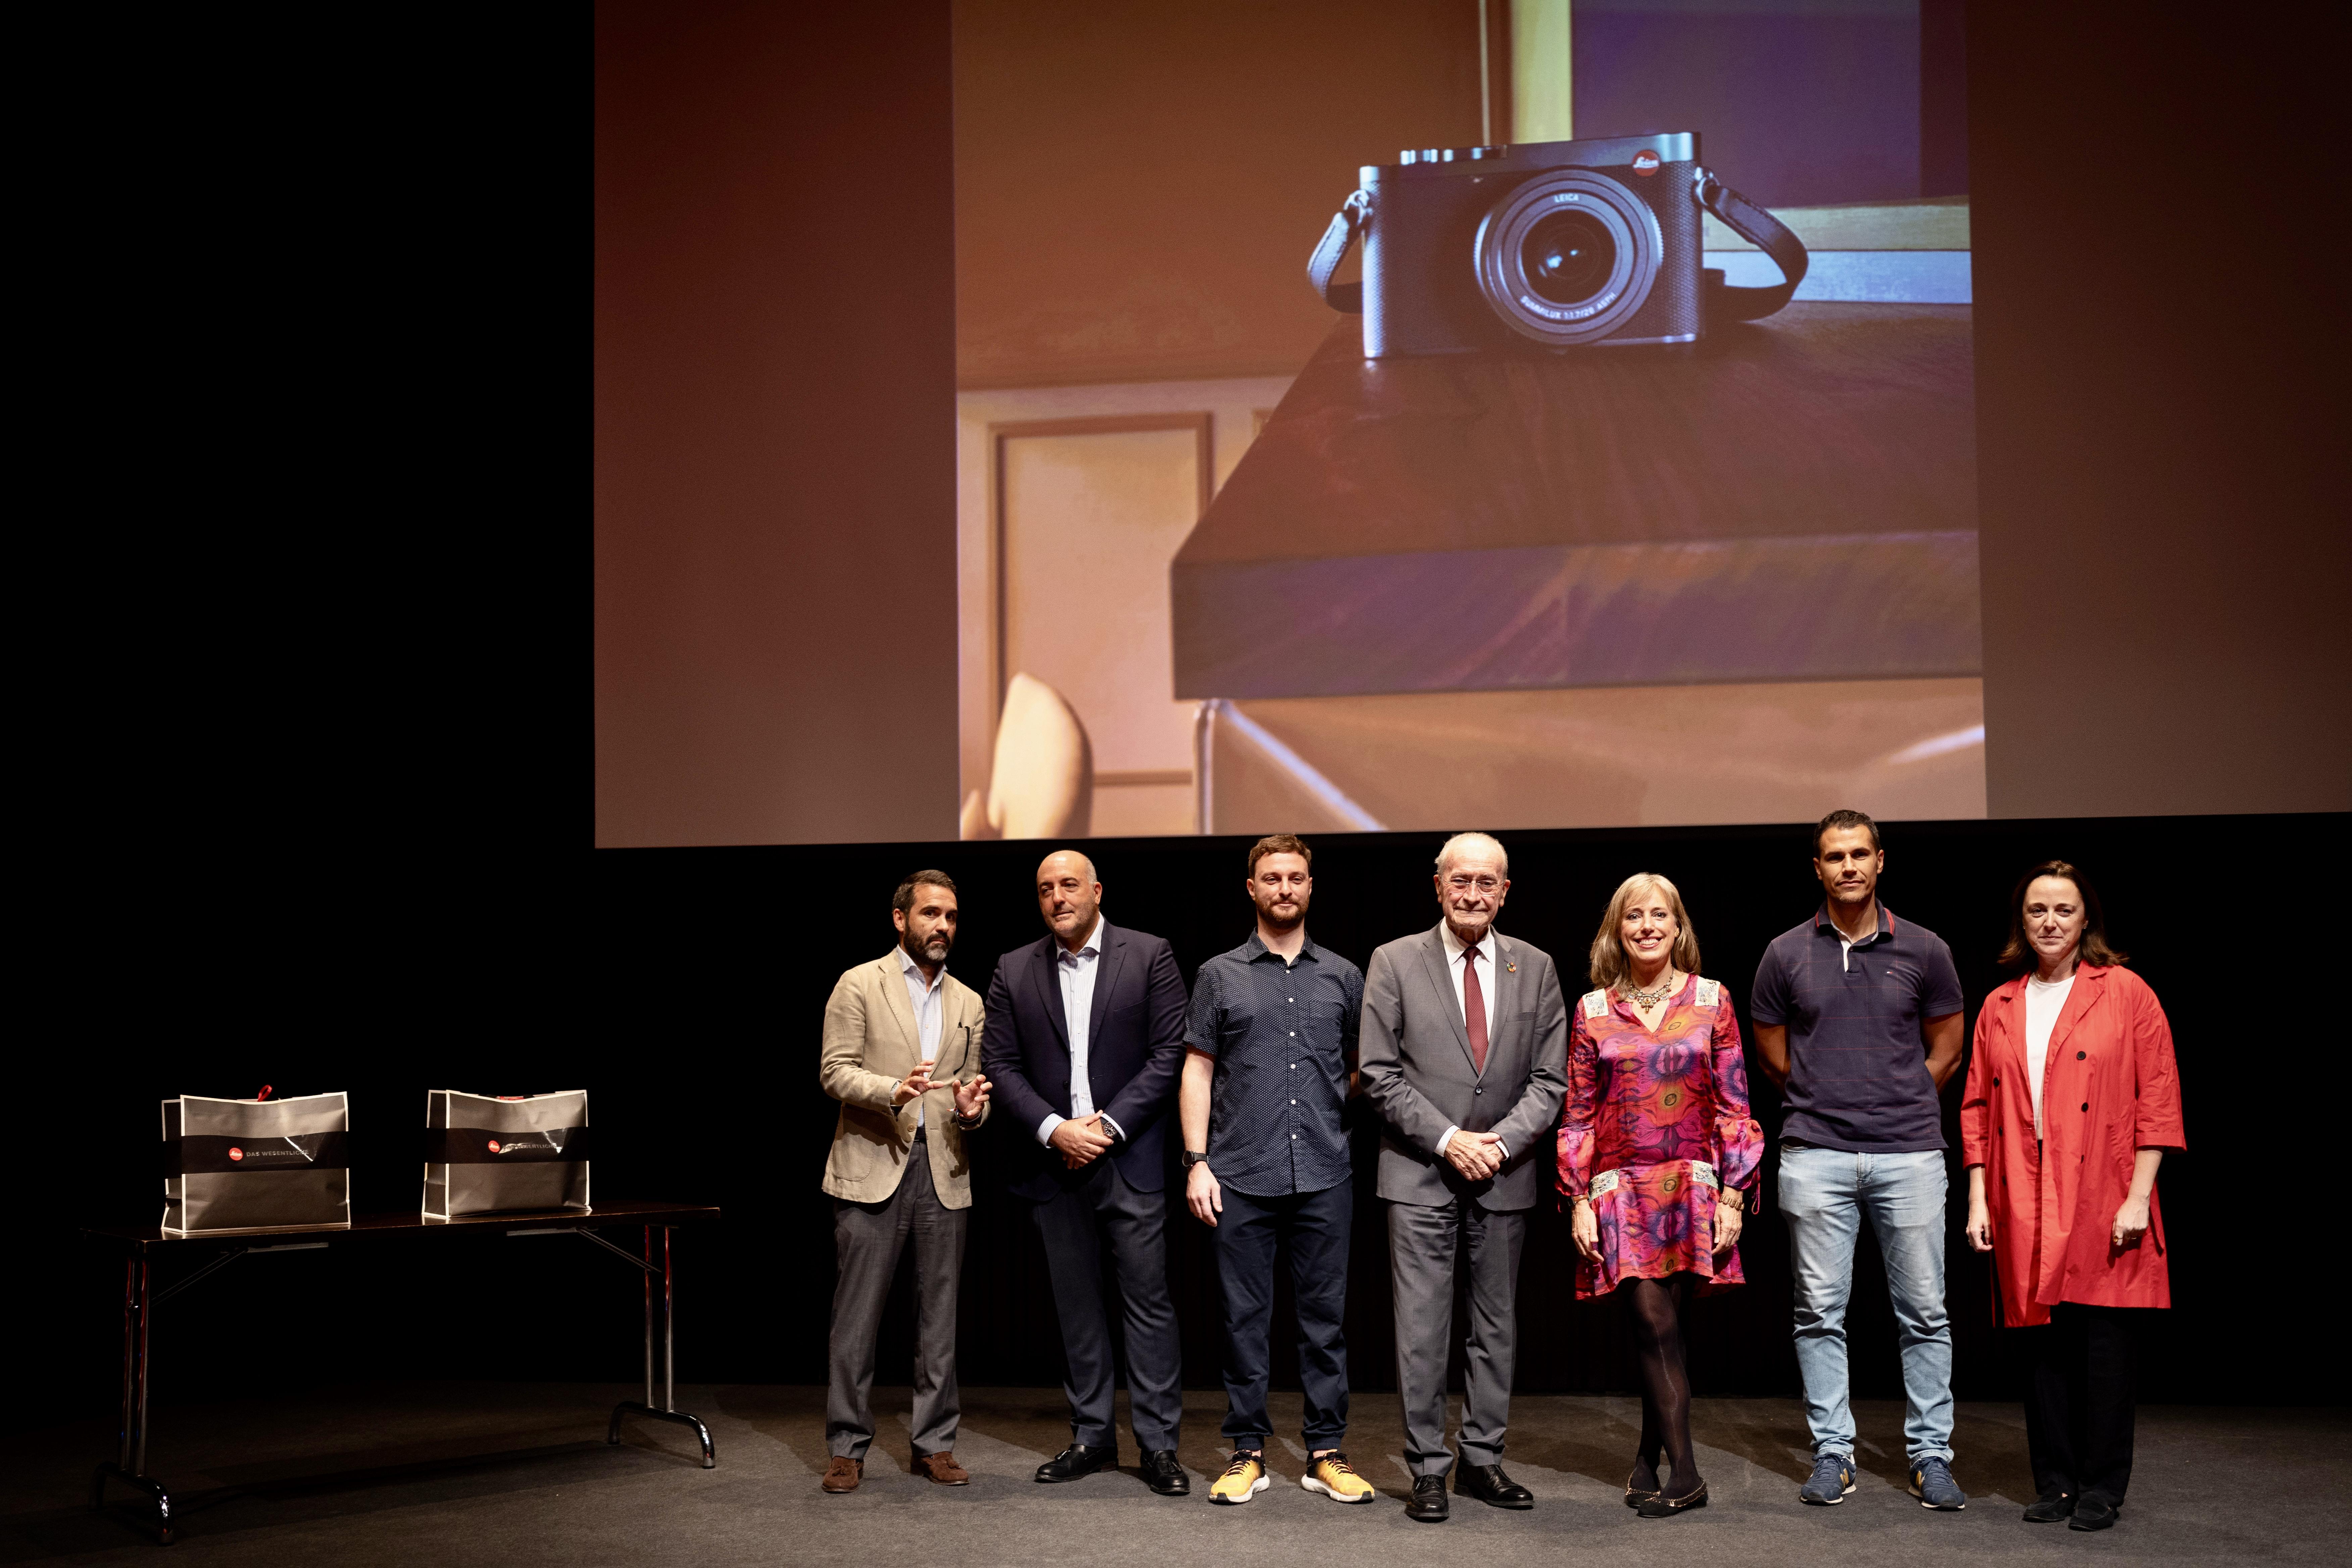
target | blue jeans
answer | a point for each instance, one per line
(1825, 1194)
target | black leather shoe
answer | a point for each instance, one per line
(1164, 1475)
(1665, 1507)
(2091, 1511)
(2050, 1508)
(1076, 1460)
(1489, 1485)
(1428, 1504)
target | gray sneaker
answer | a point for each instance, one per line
(1932, 1484)
(1832, 1480)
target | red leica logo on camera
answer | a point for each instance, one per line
(493, 1145)
(235, 1154)
(1645, 163)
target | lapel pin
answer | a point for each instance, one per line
(1510, 969)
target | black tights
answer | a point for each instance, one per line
(1666, 1384)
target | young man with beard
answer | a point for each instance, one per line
(902, 1055)
(1270, 1052)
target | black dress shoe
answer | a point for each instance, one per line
(2091, 1511)
(1665, 1507)
(1078, 1459)
(1164, 1475)
(1489, 1485)
(1428, 1504)
(2050, 1508)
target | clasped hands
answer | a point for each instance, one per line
(1081, 1140)
(1477, 1155)
(970, 1098)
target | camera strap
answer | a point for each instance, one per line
(1723, 302)
(1333, 249)
(1767, 234)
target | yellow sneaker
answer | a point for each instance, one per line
(1335, 1478)
(1242, 1479)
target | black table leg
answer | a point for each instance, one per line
(130, 1465)
(667, 1409)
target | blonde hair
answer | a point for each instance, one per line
(1609, 963)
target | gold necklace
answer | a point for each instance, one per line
(1648, 999)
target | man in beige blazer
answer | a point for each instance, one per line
(902, 1055)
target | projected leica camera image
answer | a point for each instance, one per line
(1586, 474)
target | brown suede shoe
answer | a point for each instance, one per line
(842, 1474)
(942, 1468)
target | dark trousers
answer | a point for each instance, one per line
(2078, 1398)
(867, 1240)
(1097, 1209)
(1316, 1226)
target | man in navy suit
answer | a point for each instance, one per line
(1085, 1043)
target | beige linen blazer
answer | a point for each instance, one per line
(870, 1045)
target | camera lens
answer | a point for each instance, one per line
(1568, 256)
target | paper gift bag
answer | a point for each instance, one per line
(487, 1153)
(256, 1164)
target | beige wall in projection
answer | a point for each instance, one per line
(1089, 513)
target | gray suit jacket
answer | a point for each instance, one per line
(1414, 1055)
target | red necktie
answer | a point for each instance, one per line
(1473, 1008)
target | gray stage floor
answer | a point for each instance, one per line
(519, 1473)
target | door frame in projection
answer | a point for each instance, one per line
(1124, 797)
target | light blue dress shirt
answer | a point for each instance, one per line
(925, 998)
(1076, 971)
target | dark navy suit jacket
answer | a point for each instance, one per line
(1134, 1053)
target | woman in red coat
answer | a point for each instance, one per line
(2071, 1100)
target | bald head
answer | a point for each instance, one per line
(1068, 897)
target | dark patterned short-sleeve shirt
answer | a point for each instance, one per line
(1284, 1039)
(1858, 1075)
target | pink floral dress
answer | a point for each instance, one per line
(1658, 1123)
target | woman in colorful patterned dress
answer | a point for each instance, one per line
(1657, 1151)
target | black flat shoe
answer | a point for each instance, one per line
(1428, 1505)
(2092, 1512)
(1665, 1507)
(1635, 1495)
(1164, 1475)
(1076, 1460)
(1490, 1486)
(2050, 1508)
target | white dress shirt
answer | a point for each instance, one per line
(2042, 1005)
(1075, 972)
(1487, 988)
(925, 998)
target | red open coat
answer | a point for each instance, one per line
(2108, 1090)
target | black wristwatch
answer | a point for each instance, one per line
(1192, 1159)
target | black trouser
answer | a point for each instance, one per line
(1315, 1225)
(2078, 1399)
(1097, 1209)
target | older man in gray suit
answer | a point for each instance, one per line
(1464, 1052)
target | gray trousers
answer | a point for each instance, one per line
(1075, 1223)
(867, 1240)
(1423, 1239)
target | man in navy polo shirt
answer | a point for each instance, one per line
(1271, 1045)
(1858, 1020)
